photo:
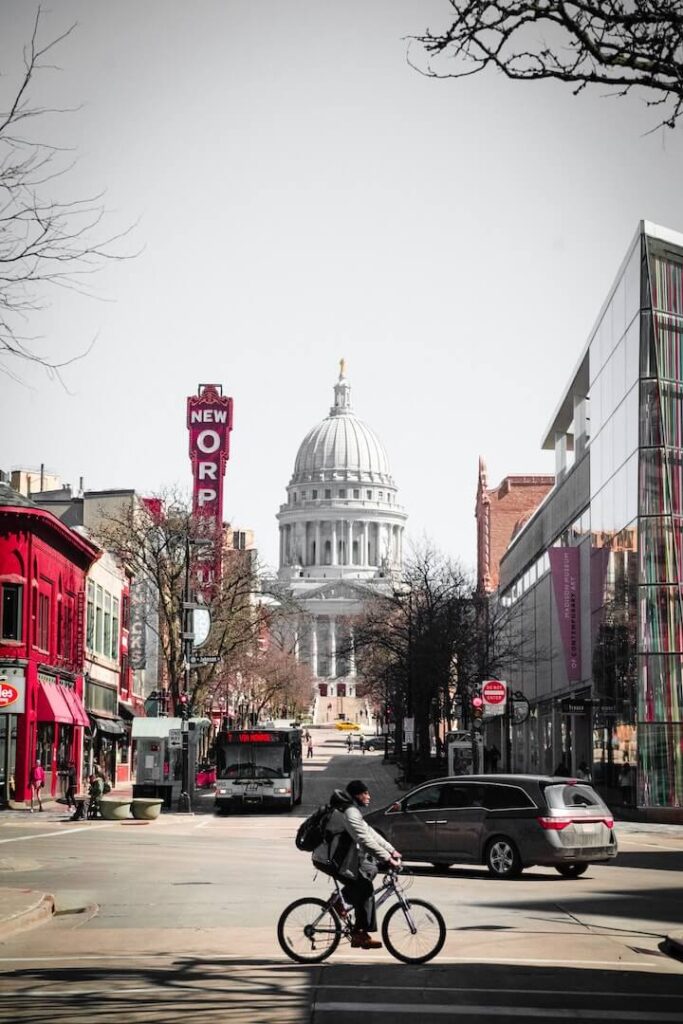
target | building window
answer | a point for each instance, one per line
(314, 494)
(303, 495)
(43, 630)
(115, 629)
(294, 497)
(356, 494)
(368, 495)
(99, 619)
(106, 640)
(328, 494)
(11, 611)
(380, 496)
(342, 493)
(239, 540)
(90, 622)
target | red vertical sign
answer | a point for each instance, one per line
(564, 568)
(209, 422)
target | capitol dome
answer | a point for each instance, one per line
(341, 517)
(342, 446)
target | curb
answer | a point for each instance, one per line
(38, 912)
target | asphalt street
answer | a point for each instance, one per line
(175, 920)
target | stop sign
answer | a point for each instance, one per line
(494, 692)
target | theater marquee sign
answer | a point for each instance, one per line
(209, 422)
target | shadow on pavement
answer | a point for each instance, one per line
(275, 992)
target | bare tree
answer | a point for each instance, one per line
(46, 242)
(156, 540)
(620, 44)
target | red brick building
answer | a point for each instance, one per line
(499, 512)
(43, 566)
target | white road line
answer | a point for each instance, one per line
(70, 832)
(181, 954)
(545, 1012)
(654, 846)
(507, 991)
(203, 824)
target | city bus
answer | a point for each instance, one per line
(258, 768)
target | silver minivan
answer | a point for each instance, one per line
(507, 822)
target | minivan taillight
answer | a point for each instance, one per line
(609, 822)
(554, 824)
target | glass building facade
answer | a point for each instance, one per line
(618, 498)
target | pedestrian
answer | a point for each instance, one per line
(361, 743)
(309, 746)
(95, 791)
(36, 783)
(307, 736)
(349, 743)
(625, 782)
(494, 757)
(583, 772)
(71, 786)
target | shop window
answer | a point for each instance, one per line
(43, 624)
(10, 610)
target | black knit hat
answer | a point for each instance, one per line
(356, 787)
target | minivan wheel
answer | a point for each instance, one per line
(502, 858)
(571, 870)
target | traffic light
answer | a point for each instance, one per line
(477, 708)
(183, 707)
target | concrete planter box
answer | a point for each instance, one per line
(114, 809)
(146, 808)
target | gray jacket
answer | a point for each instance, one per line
(364, 835)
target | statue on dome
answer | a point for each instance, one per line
(342, 368)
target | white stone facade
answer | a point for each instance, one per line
(341, 539)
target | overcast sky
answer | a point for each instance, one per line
(301, 194)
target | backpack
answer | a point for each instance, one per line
(311, 832)
(106, 786)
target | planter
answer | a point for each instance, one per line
(146, 808)
(114, 808)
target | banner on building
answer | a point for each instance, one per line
(564, 568)
(12, 691)
(209, 421)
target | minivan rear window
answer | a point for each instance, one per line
(560, 797)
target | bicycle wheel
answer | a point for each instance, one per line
(309, 930)
(420, 945)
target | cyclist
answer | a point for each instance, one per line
(368, 849)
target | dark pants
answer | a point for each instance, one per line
(360, 894)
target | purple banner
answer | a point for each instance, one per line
(564, 568)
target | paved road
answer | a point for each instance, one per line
(174, 920)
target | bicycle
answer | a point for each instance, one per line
(310, 929)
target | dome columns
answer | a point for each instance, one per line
(342, 542)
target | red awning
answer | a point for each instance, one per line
(75, 705)
(52, 706)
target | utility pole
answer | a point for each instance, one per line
(187, 638)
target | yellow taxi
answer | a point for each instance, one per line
(346, 726)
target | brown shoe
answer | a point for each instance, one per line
(361, 940)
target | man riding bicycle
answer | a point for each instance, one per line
(368, 849)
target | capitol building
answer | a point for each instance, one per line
(341, 542)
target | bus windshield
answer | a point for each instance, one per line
(252, 761)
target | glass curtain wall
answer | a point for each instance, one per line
(614, 374)
(660, 650)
